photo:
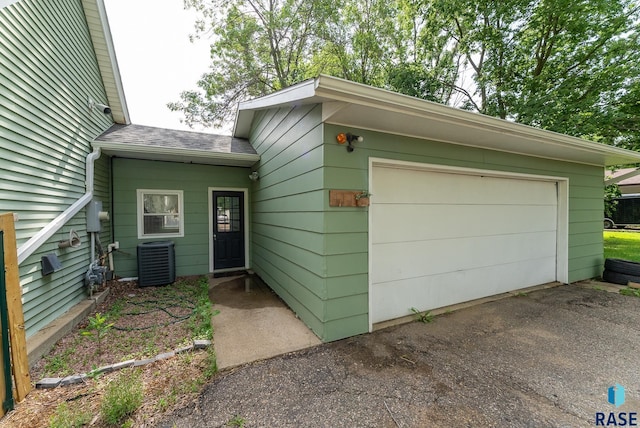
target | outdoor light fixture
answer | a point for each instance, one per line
(349, 138)
(254, 176)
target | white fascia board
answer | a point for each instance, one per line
(100, 31)
(299, 94)
(124, 149)
(342, 90)
(326, 89)
(114, 60)
(293, 95)
(242, 124)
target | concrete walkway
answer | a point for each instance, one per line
(253, 323)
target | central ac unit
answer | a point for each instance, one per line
(156, 263)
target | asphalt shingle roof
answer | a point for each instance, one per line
(149, 136)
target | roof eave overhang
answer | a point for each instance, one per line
(136, 151)
(100, 32)
(360, 106)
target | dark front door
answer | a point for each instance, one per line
(228, 230)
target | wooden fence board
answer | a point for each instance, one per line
(20, 361)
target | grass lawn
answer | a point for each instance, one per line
(622, 245)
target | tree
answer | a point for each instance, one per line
(570, 66)
(427, 62)
(360, 37)
(260, 46)
(554, 64)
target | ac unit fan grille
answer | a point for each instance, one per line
(156, 263)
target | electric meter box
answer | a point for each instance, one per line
(93, 216)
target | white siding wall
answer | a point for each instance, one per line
(47, 71)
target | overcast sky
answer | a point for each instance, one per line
(156, 59)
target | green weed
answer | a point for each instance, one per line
(116, 309)
(635, 292)
(424, 317)
(122, 397)
(236, 421)
(200, 320)
(67, 416)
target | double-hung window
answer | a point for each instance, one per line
(160, 213)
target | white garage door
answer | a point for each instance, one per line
(440, 238)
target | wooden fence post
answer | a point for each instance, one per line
(17, 336)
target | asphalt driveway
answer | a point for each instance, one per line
(544, 359)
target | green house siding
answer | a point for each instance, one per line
(192, 251)
(345, 170)
(48, 70)
(288, 243)
(316, 256)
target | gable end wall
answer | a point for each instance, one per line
(48, 70)
(287, 227)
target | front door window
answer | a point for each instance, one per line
(228, 233)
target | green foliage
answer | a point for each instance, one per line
(200, 320)
(58, 364)
(622, 245)
(259, 46)
(610, 203)
(122, 397)
(70, 416)
(635, 292)
(424, 317)
(570, 67)
(211, 364)
(116, 309)
(236, 421)
(97, 328)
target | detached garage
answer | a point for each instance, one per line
(368, 203)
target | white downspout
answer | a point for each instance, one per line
(37, 240)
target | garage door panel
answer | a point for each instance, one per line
(420, 258)
(440, 238)
(398, 223)
(435, 291)
(426, 187)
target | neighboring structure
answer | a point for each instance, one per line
(432, 206)
(630, 185)
(54, 58)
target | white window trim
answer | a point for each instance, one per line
(140, 212)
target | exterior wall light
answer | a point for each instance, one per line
(349, 138)
(254, 176)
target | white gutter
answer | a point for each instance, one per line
(343, 90)
(178, 154)
(37, 240)
(622, 177)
